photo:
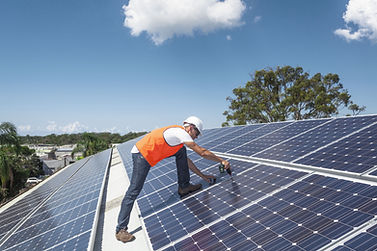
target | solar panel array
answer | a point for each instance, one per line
(366, 240)
(60, 213)
(283, 194)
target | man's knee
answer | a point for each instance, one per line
(132, 193)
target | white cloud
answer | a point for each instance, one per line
(112, 130)
(52, 126)
(362, 15)
(257, 19)
(228, 37)
(74, 127)
(24, 128)
(164, 19)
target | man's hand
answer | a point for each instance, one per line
(208, 178)
(226, 164)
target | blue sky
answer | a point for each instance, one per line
(73, 66)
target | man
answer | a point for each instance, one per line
(155, 146)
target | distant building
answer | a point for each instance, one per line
(57, 158)
(64, 151)
(51, 166)
(51, 155)
(42, 149)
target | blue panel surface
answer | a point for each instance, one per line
(365, 241)
(217, 201)
(304, 216)
(222, 140)
(321, 136)
(160, 198)
(235, 146)
(67, 217)
(356, 153)
(211, 135)
(14, 214)
(277, 136)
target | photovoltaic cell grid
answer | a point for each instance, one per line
(65, 221)
(365, 241)
(227, 146)
(227, 135)
(213, 134)
(312, 140)
(356, 153)
(14, 214)
(277, 136)
(307, 215)
(161, 198)
(217, 201)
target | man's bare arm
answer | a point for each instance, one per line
(207, 154)
(193, 168)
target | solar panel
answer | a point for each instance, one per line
(366, 240)
(217, 201)
(356, 153)
(276, 137)
(17, 212)
(211, 136)
(238, 131)
(266, 206)
(65, 219)
(312, 140)
(305, 215)
(254, 132)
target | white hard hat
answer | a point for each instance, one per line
(196, 122)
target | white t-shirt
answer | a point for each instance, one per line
(173, 136)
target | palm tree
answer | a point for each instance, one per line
(8, 139)
(8, 134)
(6, 173)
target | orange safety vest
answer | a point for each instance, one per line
(154, 147)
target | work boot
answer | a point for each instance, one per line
(124, 236)
(190, 188)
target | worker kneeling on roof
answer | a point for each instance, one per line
(157, 145)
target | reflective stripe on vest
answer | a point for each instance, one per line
(154, 148)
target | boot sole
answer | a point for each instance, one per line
(184, 194)
(132, 238)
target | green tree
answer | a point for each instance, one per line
(6, 174)
(16, 162)
(287, 93)
(64, 139)
(30, 162)
(356, 109)
(8, 142)
(91, 144)
(8, 134)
